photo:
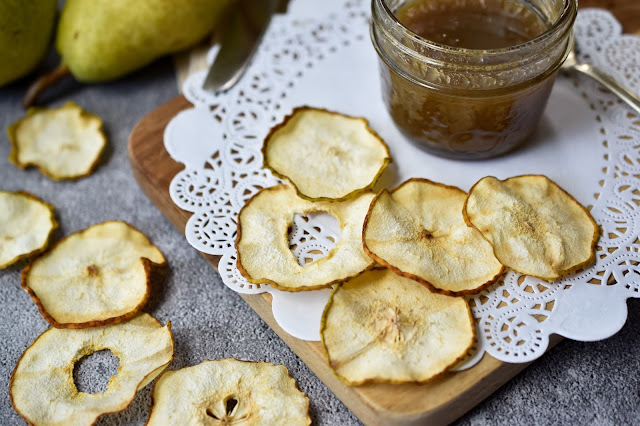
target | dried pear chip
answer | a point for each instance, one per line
(228, 391)
(64, 142)
(381, 327)
(42, 389)
(26, 226)
(97, 276)
(535, 227)
(325, 155)
(262, 242)
(418, 231)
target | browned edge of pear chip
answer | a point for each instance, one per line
(54, 226)
(150, 268)
(421, 280)
(266, 280)
(378, 381)
(173, 351)
(353, 193)
(596, 227)
(295, 382)
(13, 155)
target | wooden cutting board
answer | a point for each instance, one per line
(438, 402)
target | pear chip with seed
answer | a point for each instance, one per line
(536, 228)
(262, 243)
(418, 231)
(97, 276)
(229, 391)
(42, 388)
(64, 142)
(326, 155)
(383, 328)
(26, 226)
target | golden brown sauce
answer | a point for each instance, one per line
(453, 122)
(472, 24)
(464, 127)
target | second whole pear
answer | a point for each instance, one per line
(101, 40)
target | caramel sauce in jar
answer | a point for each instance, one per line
(469, 79)
(472, 24)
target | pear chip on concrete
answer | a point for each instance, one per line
(42, 389)
(418, 231)
(26, 226)
(228, 391)
(536, 228)
(262, 242)
(64, 142)
(97, 276)
(383, 328)
(325, 155)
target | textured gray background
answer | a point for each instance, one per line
(575, 383)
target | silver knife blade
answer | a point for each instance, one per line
(239, 40)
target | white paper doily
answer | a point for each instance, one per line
(320, 54)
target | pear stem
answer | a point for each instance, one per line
(42, 83)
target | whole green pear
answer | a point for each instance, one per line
(25, 31)
(102, 40)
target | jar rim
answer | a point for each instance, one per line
(567, 16)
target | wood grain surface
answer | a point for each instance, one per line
(626, 11)
(438, 402)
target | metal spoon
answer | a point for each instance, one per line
(606, 80)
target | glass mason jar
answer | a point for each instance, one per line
(469, 103)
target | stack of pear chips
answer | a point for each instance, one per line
(330, 161)
(91, 287)
(400, 316)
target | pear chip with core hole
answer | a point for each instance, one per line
(64, 142)
(42, 388)
(536, 228)
(97, 276)
(325, 155)
(383, 328)
(228, 391)
(26, 226)
(418, 231)
(262, 242)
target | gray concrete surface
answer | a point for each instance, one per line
(575, 383)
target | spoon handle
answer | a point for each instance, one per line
(607, 81)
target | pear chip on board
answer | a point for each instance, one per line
(262, 243)
(26, 226)
(42, 389)
(418, 231)
(64, 142)
(228, 391)
(381, 327)
(325, 155)
(97, 276)
(535, 227)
